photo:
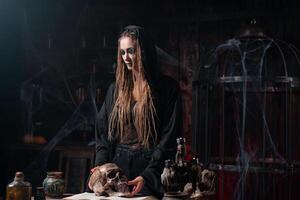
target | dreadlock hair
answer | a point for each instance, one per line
(144, 111)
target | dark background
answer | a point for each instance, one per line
(182, 29)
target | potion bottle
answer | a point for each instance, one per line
(181, 152)
(18, 189)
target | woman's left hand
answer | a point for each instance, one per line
(138, 184)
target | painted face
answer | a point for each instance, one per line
(127, 51)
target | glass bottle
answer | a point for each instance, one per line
(18, 189)
(40, 194)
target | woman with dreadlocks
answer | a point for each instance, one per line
(140, 119)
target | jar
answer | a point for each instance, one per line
(54, 184)
(18, 189)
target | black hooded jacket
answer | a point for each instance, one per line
(166, 99)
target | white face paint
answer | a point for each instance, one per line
(127, 51)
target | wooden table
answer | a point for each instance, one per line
(48, 198)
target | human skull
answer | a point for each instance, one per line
(206, 186)
(208, 180)
(109, 180)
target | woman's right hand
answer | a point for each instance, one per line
(138, 184)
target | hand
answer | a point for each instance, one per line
(138, 183)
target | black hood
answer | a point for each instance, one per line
(148, 51)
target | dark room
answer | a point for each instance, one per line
(147, 100)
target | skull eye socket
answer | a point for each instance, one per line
(112, 174)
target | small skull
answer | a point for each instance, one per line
(208, 182)
(109, 180)
(206, 187)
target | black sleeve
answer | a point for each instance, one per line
(104, 147)
(170, 130)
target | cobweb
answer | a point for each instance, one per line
(62, 108)
(246, 94)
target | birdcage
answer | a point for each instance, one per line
(246, 111)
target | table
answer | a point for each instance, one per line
(49, 198)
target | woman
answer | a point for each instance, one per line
(140, 119)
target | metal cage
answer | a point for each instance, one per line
(246, 111)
